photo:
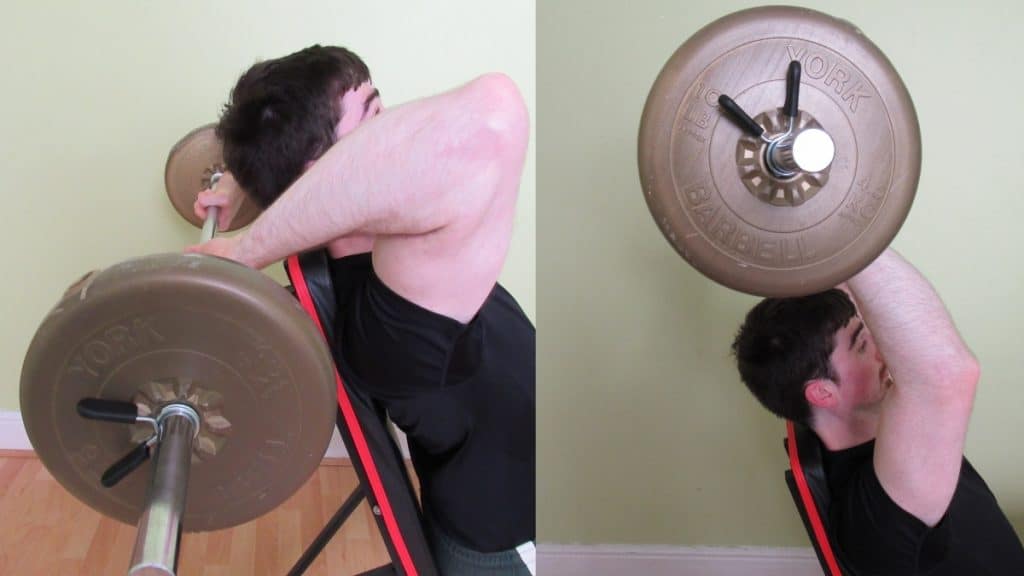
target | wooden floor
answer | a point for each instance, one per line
(44, 530)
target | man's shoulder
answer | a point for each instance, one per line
(503, 304)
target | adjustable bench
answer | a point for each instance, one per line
(809, 487)
(383, 478)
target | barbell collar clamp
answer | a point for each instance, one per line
(108, 410)
(118, 411)
(792, 105)
(126, 465)
(742, 119)
(177, 409)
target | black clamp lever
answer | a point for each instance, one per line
(790, 109)
(124, 413)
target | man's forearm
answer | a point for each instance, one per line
(910, 324)
(411, 170)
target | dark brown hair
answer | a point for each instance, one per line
(785, 342)
(282, 114)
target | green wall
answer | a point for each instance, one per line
(95, 94)
(645, 434)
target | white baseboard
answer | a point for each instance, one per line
(14, 437)
(12, 432)
(337, 447)
(615, 560)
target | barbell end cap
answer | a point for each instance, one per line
(813, 150)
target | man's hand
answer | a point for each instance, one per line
(224, 246)
(227, 195)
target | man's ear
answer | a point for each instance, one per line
(821, 392)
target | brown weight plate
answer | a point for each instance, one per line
(191, 163)
(699, 171)
(224, 338)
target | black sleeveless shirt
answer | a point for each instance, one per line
(876, 536)
(464, 395)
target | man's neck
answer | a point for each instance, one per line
(846, 431)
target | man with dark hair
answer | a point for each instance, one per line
(283, 113)
(415, 206)
(889, 391)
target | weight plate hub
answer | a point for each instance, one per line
(190, 166)
(197, 329)
(707, 183)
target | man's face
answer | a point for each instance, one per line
(357, 106)
(863, 376)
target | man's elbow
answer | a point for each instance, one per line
(503, 120)
(970, 373)
(960, 377)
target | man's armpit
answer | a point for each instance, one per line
(875, 535)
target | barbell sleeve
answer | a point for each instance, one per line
(159, 530)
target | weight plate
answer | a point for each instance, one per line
(191, 163)
(191, 328)
(706, 181)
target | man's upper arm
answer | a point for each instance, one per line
(920, 442)
(452, 269)
(923, 421)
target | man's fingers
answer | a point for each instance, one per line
(212, 198)
(208, 198)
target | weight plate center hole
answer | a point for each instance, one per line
(214, 426)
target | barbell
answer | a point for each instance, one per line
(779, 151)
(179, 391)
